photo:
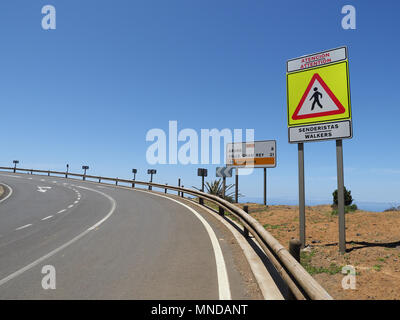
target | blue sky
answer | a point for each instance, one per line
(88, 92)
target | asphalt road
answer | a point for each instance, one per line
(112, 243)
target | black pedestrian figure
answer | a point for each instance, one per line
(315, 96)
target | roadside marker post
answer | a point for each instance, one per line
(319, 109)
(151, 172)
(15, 165)
(134, 171)
(84, 168)
(201, 172)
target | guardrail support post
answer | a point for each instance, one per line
(201, 201)
(31, 171)
(221, 211)
(246, 232)
(48, 173)
(66, 175)
(182, 191)
(116, 182)
(294, 248)
(99, 179)
(179, 185)
(166, 188)
(133, 184)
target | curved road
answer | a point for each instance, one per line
(113, 243)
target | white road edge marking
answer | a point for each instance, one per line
(9, 194)
(23, 227)
(222, 274)
(61, 211)
(36, 262)
(47, 218)
(70, 206)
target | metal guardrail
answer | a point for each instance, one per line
(300, 282)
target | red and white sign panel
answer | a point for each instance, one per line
(316, 60)
(318, 100)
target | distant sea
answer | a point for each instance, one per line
(362, 205)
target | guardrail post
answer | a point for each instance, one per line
(182, 191)
(83, 178)
(31, 171)
(133, 184)
(99, 179)
(201, 201)
(246, 232)
(48, 173)
(116, 182)
(221, 211)
(150, 188)
(179, 185)
(166, 188)
(66, 175)
(294, 248)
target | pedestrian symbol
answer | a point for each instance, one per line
(319, 102)
(316, 96)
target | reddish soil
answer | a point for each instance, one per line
(373, 247)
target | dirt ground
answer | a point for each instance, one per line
(373, 247)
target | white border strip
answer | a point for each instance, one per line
(9, 194)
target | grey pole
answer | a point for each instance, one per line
(201, 200)
(223, 187)
(179, 185)
(340, 182)
(265, 186)
(237, 184)
(134, 178)
(151, 181)
(302, 209)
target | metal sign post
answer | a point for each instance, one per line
(237, 185)
(319, 109)
(302, 208)
(340, 185)
(265, 186)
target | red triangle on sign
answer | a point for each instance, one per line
(334, 107)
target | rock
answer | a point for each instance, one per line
(316, 241)
(358, 234)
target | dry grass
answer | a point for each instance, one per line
(373, 247)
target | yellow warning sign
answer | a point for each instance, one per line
(318, 95)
